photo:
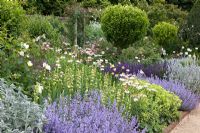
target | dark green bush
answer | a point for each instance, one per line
(38, 25)
(165, 34)
(11, 16)
(143, 51)
(123, 25)
(165, 12)
(192, 27)
(49, 7)
(95, 3)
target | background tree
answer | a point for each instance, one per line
(191, 31)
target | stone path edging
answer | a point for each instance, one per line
(190, 123)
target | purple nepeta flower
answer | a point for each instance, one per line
(87, 115)
(157, 69)
(189, 99)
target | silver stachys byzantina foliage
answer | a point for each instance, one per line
(87, 115)
(186, 71)
(17, 113)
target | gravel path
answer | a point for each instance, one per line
(190, 124)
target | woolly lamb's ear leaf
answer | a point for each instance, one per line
(17, 112)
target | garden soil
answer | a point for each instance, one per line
(190, 124)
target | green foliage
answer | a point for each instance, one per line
(11, 16)
(17, 113)
(143, 51)
(192, 27)
(165, 34)
(185, 4)
(48, 7)
(38, 25)
(165, 12)
(14, 58)
(95, 3)
(123, 25)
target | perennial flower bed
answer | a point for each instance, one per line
(115, 71)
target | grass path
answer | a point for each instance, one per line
(190, 124)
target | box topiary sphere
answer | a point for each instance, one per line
(123, 25)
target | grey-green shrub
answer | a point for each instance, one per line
(94, 32)
(186, 71)
(11, 16)
(17, 113)
(123, 25)
(165, 34)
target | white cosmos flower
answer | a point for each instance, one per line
(24, 45)
(46, 66)
(139, 87)
(69, 61)
(29, 63)
(21, 53)
(135, 99)
(196, 48)
(186, 53)
(189, 50)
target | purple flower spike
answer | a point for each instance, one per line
(87, 115)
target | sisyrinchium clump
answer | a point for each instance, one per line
(17, 113)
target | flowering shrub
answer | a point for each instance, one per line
(156, 69)
(87, 114)
(17, 113)
(186, 71)
(189, 99)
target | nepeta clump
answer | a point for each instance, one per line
(186, 71)
(17, 113)
(157, 69)
(87, 114)
(189, 99)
